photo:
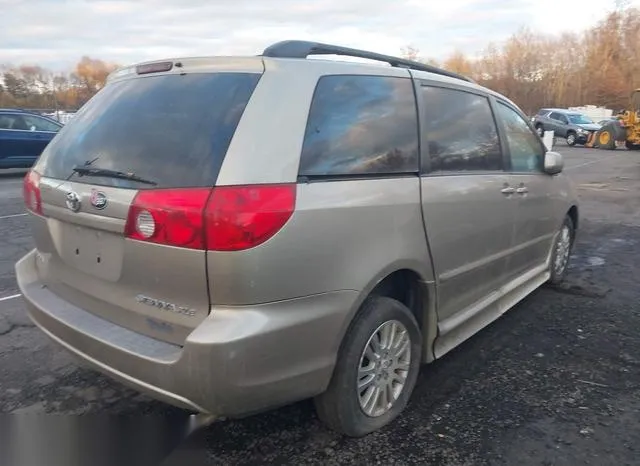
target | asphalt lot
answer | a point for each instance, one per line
(555, 381)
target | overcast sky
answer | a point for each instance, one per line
(56, 33)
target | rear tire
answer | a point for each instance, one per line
(342, 407)
(631, 146)
(540, 130)
(562, 247)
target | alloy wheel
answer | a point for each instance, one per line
(563, 249)
(384, 367)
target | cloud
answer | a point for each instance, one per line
(56, 33)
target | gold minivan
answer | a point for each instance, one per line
(233, 234)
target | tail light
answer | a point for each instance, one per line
(31, 192)
(169, 216)
(242, 217)
(226, 218)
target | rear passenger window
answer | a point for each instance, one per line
(361, 125)
(558, 117)
(460, 131)
(12, 122)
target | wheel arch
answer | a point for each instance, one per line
(571, 132)
(413, 288)
(574, 216)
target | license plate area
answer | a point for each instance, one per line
(95, 252)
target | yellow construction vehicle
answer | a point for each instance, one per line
(623, 131)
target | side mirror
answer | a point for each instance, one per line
(553, 163)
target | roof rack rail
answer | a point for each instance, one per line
(18, 110)
(303, 48)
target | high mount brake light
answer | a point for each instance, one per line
(31, 192)
(225, 218)
(158, 67)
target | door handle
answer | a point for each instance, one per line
(522, 190)
(508, 190)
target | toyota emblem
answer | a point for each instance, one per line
(73, 201)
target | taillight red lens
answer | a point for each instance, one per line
(227, 218)
(242, 217)
(173, 217)
(31, 192)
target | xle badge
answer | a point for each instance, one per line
(165, 305)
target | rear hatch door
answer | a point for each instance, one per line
(161, 137)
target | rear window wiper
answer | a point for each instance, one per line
(89, 171)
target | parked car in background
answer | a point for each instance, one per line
(229, 251)
(23, 137)
(607, 120)
(61, 116)
(574, 127)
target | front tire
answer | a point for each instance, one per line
(631, 146)
(562, 247)
(376, 370)
(540, 130)
(606, 139)
(572, 139)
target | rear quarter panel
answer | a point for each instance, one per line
(344, 235)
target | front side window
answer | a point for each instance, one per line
(460, 131)
(361, 125)
(35, 123)
(526, 152)
(578, 119)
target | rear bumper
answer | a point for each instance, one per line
(238, 361)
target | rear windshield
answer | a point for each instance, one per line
(173, 130)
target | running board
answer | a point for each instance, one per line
(464, 324)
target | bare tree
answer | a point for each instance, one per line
(599, 67)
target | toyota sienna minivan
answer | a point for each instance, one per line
(233, 234)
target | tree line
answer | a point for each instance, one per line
(35, 87)
(598, 67)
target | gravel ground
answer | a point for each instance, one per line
(555, 381)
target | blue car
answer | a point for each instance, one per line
(23, 137)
